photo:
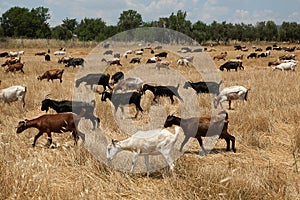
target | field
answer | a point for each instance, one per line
(267, 131)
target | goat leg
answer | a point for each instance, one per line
(36, 137)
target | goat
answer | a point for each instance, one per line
(121, 99)
(57, 53)
(11, 61)
(162, 54)
(287, 57)
(240, 57)
(75, 62)
(116, 77)
(108, 52)
(198, 127)
(94, 79)
(40, 53)
(13, 93)
(229, 94)
(135, 60)
(3, 54)
(57, 123)
(72, 106)
(220, 56)
(52, 74)
(139, 52)
(252, 55)
(153, 60)
(162, 64)
(232, 65)
(160, 141)
(276, 62)
(47, 57)
(13, 54)
(15, 67)
(65, 59)
(115, 61)
(264, 54)
(134, 83)
(204, 87)
(289, 65)
(158, 91)
(183, 61)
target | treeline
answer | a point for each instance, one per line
(25, 23)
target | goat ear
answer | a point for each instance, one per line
(173, 113)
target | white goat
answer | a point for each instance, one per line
(183, 61)
(56, 53)
(134, 83)
(290, 65)
(145, 143)
(231, 93)
(13, 93)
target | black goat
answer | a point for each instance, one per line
(162, 54)
(95, 79)
(135, 60)
(116, 77)
(158, 91)
(75, 62)
(231, 65)
(121, 99)
(72, 106)
(204, 87)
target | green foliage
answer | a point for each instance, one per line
(22, 22)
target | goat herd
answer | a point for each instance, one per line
(128, 91)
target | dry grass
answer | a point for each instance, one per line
(266, 165)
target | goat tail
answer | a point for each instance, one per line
(246, 95)
(220, 83)
(177, 86)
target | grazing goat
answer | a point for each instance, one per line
(11, 61)
(287, 57)
(15, 67)
(252, 55)
(108, 52)
(231, 93)
(47, 57)
(204, 87)
(198, 127)
(57, 53)
(135, 60)
(220, 56)
(115, 61)
(232, 65)
(162, 64)
(57, 123)
(52, 74)
(145, 143)
(158, 91)
(116, 77)
(13, 93)
(153, 60)
(122, 99)
(134, 83)
(276, 62)
(40, 53)
(162, 54)
(183, 61)
(94, 79)
(3, 54)
(289, 65)
(75, 62)
(65, 59)
(72, 106)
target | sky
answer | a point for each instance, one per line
(207, 11)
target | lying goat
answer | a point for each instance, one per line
(198, 127)
(57, 123)
(158, 91)
(145, 143)
(231, 93)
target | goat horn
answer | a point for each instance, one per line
(173, 113)
(47, 96)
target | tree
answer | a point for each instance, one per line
(179, 23)
(91, 29)
(69, 24)
(129, 19)
(18, 22)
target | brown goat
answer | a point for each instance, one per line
(220, 56)
(57, 123)
(15, 67)
(11, 61)
(202, 127)
(112, 62)
(52, 74)
(40, 53)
